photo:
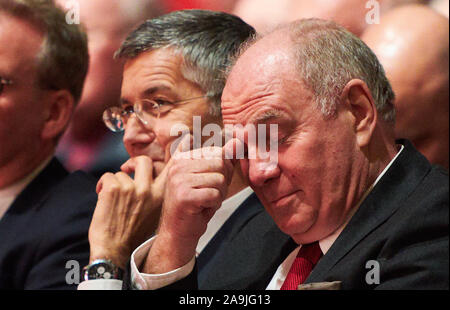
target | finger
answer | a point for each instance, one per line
(100, 182)
(107, 195)
(203, 180)
(214, 181)
(125, 182)
(207, 197)
(167, 153)
(233, 150)
(129, 166)
(208, 152)
(200, 166)
(209, 180)
(143, 171)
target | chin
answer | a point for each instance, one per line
(299, 227)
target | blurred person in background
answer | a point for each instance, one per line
(87, 144)
(441, 6)
(45, 212)
(266, 14)
(214, 5)
(412, 44)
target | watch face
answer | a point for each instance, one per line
(100, 271)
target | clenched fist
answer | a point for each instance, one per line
(196, 186)
(127, 211)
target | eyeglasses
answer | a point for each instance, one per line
(4, 82)
(116, 118)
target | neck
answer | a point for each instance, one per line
(21, 166)
(368, 165)
(238, 182)
(381, 150)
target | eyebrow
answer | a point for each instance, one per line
(146, 93)
(267, 116)
(152, 90)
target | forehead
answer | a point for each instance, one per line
(16, 33)
(264, 81)
(159, 68)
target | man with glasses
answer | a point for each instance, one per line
(174, 72)
(44, 211)
(87, 144)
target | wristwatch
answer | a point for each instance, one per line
(102, 269)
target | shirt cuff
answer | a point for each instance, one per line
(144, 281)
(101, 284)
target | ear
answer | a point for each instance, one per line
(58, 111)
(358, 98)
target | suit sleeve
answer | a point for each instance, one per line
(63, 248)
(422, 266)
(417, 255)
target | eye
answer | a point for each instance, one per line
(127, 109)
(162, 102)
(283, 139)
(163, 105)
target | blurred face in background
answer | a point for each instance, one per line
(107, 23)
(21, 103)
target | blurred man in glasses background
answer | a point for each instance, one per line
(87, 144)
(44, 211)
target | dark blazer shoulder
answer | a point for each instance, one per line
(46, 227)
(402, 225)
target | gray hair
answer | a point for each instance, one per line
(63, 60)
(207, 40)
(328, 57)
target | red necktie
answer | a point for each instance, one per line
(306, 259)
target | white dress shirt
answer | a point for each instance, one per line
(10, 193)
(150, 281)
(219, 218)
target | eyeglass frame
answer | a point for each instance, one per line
(133, 109)
(4, 82)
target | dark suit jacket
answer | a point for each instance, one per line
(242, 254)
(402, 225)
(249, 244)
(45, 227)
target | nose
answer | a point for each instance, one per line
(134, 127)
(261, 171)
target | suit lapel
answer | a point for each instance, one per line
(387, 196)
(247, 210)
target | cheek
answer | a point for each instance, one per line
(167, 132)
(163, 136)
